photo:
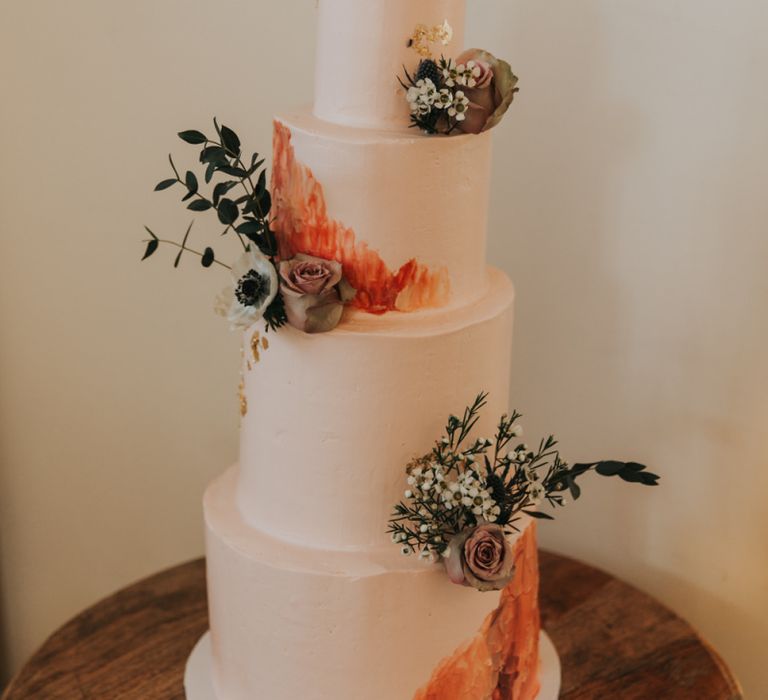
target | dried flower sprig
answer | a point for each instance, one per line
(462, 484)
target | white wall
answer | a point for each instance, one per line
(629, 206)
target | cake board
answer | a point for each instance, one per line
(198, 678)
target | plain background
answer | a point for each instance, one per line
(629, 206)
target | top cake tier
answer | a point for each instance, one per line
(362, 48)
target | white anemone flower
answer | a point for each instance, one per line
(254, 287)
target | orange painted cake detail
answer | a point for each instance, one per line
(302, 225)
(502, 661)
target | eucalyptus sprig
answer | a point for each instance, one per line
(460, 484)
(239, 198)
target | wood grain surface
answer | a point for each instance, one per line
(614, 642)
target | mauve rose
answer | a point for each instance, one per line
(491, 97)
(314, 292)
(307, 275)
(480, 557)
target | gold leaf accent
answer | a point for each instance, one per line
(243, 400)
(423, 36)
(265, 343)
(255, 341)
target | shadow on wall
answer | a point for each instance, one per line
(564, 159)
(634, 232)
(560, 158)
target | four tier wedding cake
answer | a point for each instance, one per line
(363, 547)
(308, 597)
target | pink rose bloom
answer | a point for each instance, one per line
(314, 292)
(481, 557)
(492, 94)
(304, 274)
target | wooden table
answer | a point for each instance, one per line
(615, 643)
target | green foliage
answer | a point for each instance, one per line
(192, 136)
(247, 215)
(275, 316)
(516, 478)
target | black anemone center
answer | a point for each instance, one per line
(252, 289)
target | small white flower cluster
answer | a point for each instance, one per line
(534, 487)
(468, 490)
(424, 97)
(472, 492)
(464, 74)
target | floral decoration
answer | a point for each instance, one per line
(314, 292)
(253, 289)
(464, 498)
(470, 94)
(307, 293)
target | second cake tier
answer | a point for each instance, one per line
(406, 215)
(331, 420)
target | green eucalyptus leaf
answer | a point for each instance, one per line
(228, 211)
(208, 257)
(574, 487)
(230, 140)
(610, 468)
(255, 167)
(634, 467)
(271, 243)
(165, 184)
(261, 185)
(151, 248)
(191, 182)
(265, 203)
(213, 154)
(538, 515)
(262, 243)
(221, 189)
(209, 172)
(250, 228)
(192, 136)
(275, 315)
(199, 205)
(233, 171)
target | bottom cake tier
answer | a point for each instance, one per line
(296, 622)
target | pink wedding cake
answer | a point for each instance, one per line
(308, 598)
(363, 547)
